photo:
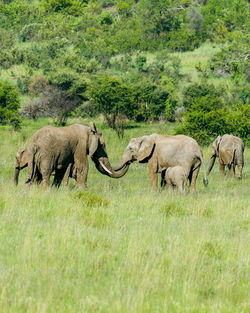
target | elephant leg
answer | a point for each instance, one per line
(163, 183)
(154, 180)
(45, 180)
(181, 187)
(37, 178)
(193, 177)
(82, 173)
(59, 174)
(221, 167)
(66, 175)
(169, 186)
(163, 179)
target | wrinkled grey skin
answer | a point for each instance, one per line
(161, 151)
(174, 177)
(61, 174)
(230, 151)
(53, 148)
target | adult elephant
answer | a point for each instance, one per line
(51, 148)
(229, 149)
(62, 175)
(161, 151)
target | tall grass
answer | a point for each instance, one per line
(120, 246)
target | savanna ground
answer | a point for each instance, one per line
(121, 247)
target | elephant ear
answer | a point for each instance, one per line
(93, 139)
(146, 147)
(93, 145)
(21, 157)
(92, 127)
(216, 144)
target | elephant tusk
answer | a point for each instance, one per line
(105, 168)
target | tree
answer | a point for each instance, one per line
(9, 104)
(113, 99)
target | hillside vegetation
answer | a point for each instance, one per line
(130, 61)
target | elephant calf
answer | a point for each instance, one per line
(174, 177)
(61, 175)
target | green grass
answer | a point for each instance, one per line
(120, 246)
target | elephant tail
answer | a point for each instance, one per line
(205, 180)
(238, 154)
(235, 157)
(31, 166)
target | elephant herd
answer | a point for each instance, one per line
(63, 152)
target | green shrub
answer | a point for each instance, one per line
(184, 39)
(23, 83)
(207, 116)
(141, 62)
(29, 31)
(73, 7)
(112, 98)
(7, 39)
(151, 100)
(199, 90)
(6, 59)
(238, 120)
(233, 59)
(9, 103)
(106, 18)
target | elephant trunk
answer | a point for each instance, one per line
(125, 161)
(16, 173)
(211, 164)
(104, 167)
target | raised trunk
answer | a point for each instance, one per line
(211, 164)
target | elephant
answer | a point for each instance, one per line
(174, 177)
(162, 151)
(61, 176)
(53, 148)
(230, 151)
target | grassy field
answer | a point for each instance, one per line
(121, 247)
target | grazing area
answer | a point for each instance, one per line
(121, 246)
(136, 70)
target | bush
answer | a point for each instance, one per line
(207, 116)
(112, 98)
(184, 39)
(37, 85)
(6, 59)
(238, 120)
(200, 90)
(73, 7)
(106, 18)
(205, 119)
(233, 60)
(9, 103)
(29, 31)
(151, 101)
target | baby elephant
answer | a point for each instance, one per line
(174, 177)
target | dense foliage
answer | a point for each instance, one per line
(9, 104)
(207, 116)
(56, 50)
